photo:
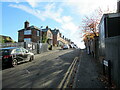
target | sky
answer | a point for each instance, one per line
(65, 15)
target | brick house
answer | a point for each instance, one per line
(58, 40)
(47, 36)
(56, 37)
(29, 34)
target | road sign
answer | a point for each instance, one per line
(105, 63)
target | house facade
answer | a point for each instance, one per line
(47, 36)
(37, 35)
(56, 37)
(29, 34)
(58, 40)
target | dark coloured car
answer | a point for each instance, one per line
(13, 55)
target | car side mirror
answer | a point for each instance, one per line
(27, 51)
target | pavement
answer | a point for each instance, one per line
(87, 73)
(55, 49)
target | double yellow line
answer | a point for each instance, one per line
(64, 83)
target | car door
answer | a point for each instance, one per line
(25, 53)
(19, 55)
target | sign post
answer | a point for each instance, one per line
(107, 63)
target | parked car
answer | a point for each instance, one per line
(75, 47)
(71, 45)
(14, 55)
(66, 46)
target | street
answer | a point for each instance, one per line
(46, 71)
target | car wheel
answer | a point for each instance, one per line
(14, 62)
(32, 57)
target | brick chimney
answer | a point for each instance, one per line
(26, 24)
(118, 6)
(46, 27)
(60, 34)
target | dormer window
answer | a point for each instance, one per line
(27, 32)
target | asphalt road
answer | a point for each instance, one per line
(46, 71)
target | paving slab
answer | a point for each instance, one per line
(87, 73)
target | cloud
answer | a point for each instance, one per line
(49, 11)
(71, 27)
(33, 3)
(86, 7)
(66, 18)
(34, 12)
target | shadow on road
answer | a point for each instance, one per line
(46, 74)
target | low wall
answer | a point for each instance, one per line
(112, 52)
(35, 48)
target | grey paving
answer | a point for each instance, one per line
(87, 75)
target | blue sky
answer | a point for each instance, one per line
(63, 15)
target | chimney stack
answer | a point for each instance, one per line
(46, 27)
(60, 34)
(26, 24)
(118, 6)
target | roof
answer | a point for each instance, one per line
(109, 15)
(55, 31)
(5, 36)
(30, 27)
(46, 29)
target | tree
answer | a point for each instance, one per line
(2, 40)
(44, 38)
(90, 23)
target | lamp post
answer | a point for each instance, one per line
(41, 34)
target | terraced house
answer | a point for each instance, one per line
(47, 36)
(37, 35)
(56, 37)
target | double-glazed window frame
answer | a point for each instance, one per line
(27, 39)
(27, 32)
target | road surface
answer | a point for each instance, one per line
(46, 71)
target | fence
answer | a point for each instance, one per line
(93, 46)
(36, 48)
(112, 52)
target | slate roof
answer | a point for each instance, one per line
(55, 31)
(30, 27)
(46, 29)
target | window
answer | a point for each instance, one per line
(24, 50)
(27, 39)
(38, 33)
(18, 50)
(27, 32)
(49, 35)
